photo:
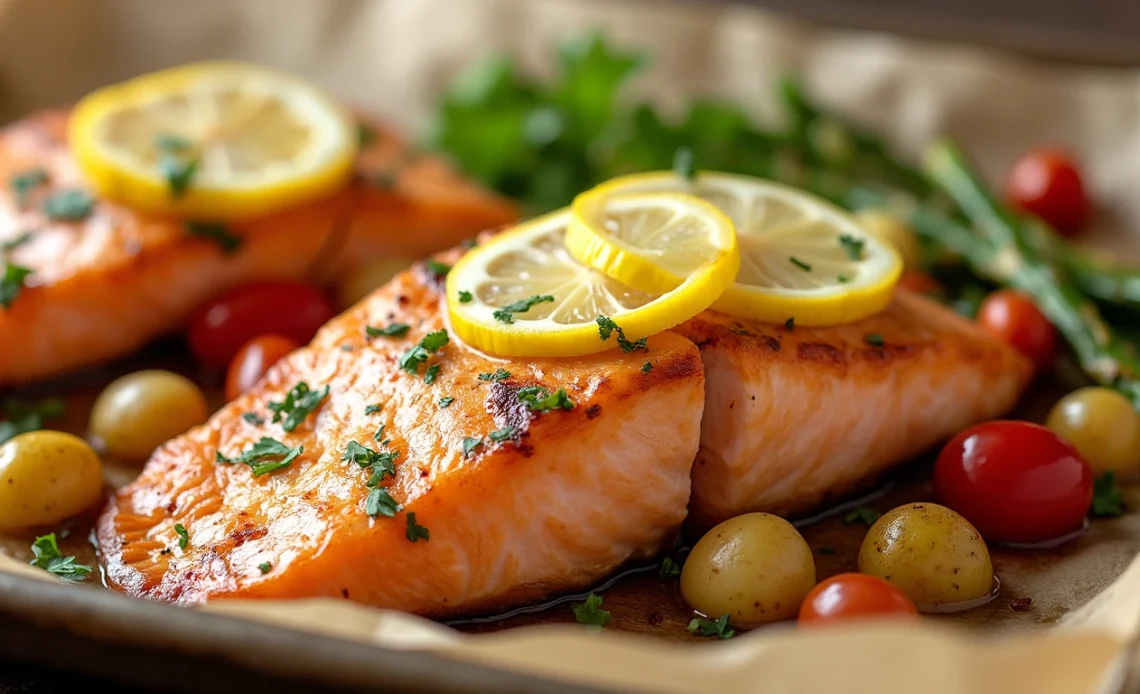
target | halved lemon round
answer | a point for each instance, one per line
(523, 294)
(213, 140)
(800, 256)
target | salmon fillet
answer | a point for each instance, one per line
(564, 499)
(106, 284)
(794, 418)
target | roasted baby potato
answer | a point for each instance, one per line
(45, 478)
(139, 412)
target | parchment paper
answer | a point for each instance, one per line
(393, 56)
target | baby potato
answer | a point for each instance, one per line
(139, 412)
(45, 478)
(756, 568)
(1102, 426)
(933, 554)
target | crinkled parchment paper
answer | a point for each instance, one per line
(393, 56)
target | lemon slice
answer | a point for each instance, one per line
(213, 140)
(523, 294)
(800, 256)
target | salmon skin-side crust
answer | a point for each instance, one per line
(797, 417)
(492, 503)
(106, 279)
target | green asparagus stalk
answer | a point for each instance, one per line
(1009, 256)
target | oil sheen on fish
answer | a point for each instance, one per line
(109, 279)
(510, 504)
(798, 416)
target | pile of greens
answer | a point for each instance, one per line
(543, 142)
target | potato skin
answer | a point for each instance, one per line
(139, 412)
(933, 554)
(45, 478)
(756, 568)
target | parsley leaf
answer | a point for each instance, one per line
(718, 627)
(799, 263)
(23, 183)
(380, 503)
(790, 324)
(299, 402)
(432, 342)
(48, 557)
(437, 269)
(446, 401)
(176, 162)
(12, 283)
(372, 409)
(465, 297)
(591, 613)
(500, 374)
(607, 326)
(265, 567)
(506, 313)
(72, 205)
(669, 568)
(539, 399)
(183, 535)
(862, 514)
(392, 330)
(416, 532)
(842, 279)
(469, 445)
(874, 339)
(381, 463)
(646, 367)
(683, 164)
(432, 373)
(217, 232)
(1108, 500)
(502, 434)
(265, 456)
(253, 418)
(852, 245)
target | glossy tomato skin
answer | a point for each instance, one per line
(1015, 481)
(291, 309)
(253, 360)
(1047, 182)
(854, 595)
(1013, 317)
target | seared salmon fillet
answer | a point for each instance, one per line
(794, 418)
(538, 502)
(109, 279)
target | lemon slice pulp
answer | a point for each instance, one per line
(213, 140)
(523, 294)
(800, 256)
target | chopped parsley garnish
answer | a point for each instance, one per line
(253, 418)
(382, 463)
(217, 232)
(266, 456)
(299, 403)
(446, 401)
(469, 446)
(799, 263)
(436, 268)
(507, 313)
(825, 549)
(380, 503)
(392, 330)
(464, 296)
(12, 283)
(416, 532)
(873, 339)
(852, 245)
(591, 613)
(183, 535)
(500, 374)
(72, 205)
(28, 416)
(48, 557)
(669, 568)
(790, 324)
(432, 373)
(372, 409)
(646, 367)
(502, 434)
(607, 326)
(714, 628)
(265, 567)
(1108, 500)
(683, 164)
(176, 162)
(842, 279)
(539, 399)
(24, 182)
(15, 242)
(433, 342)
(379, 435)
(862, 514)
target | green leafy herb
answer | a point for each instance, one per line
(380, 503)
(874, 339)
(379, 435)
(591, 613)
(12, 283)
(669, 568)
(500, 374)
(469, 445)
(265, 567)
(502, 434)
(24, 182)
(299, 402)
(539, 399)
(416, 532)
(436, 268)
(446, 401)
(381, 463)
(26, 416)
(15, 242)
(392, 330)
(852, 245)
(713, 628)
(217, 232)
(465, 296)
(646, 367)
(842, 279)
(862, 514)
(183, 535)
(48, 557)
(825, 549)
(431, 343)
(432, 373)
(1108, 500)
(790, 324)
(683, 164)
(253, 418)
(507, 313)
(266, 456)
(799, 263)
(372, 409)
(72, 205)
(607, 326)
(176, 162)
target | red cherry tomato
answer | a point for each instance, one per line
(1014, 318)
(1047, 183)
(253, 360)
(854, 595)
(919, 282)
(1014, 481)
(290, 309)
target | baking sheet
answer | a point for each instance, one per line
(393, 56)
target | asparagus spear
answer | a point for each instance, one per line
(1009, 256)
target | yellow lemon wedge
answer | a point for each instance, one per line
(523, 294)
(800, 256)
(214, 140)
